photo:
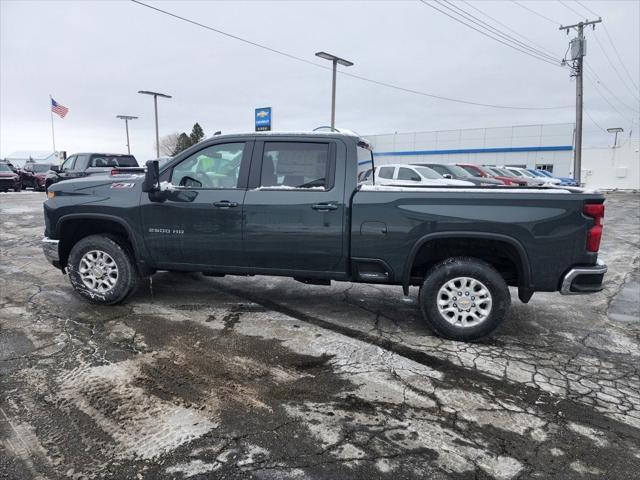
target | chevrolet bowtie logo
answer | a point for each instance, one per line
(261, 114)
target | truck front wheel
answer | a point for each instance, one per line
(464, 298)
(101, 269)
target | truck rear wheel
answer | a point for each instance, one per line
(464, 298)
(101, 269)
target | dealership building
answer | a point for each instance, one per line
(549, 147)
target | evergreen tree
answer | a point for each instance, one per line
(183, 143)
(197, 134)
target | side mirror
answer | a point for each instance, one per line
(55, 168)
(415, 179)
(151, 181)
(447, 176)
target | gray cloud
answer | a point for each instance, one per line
(94, 56)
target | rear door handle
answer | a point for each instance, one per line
(225, 204)
(324, 207)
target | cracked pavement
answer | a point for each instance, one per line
(265, 378)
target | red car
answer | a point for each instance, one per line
(33, 175)
(478, 171)
(9, 179)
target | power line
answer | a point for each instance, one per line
(569, 8)
(624, 82)
(493, 30)
(604, 51)
(599, 82)
(352, 75)
(487, 34)
(541, 47)
(593, 120)
(587, 8)
(619, 59)
(615, 50)
(537, 13)
(597, 90)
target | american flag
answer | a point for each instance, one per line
(59, 109)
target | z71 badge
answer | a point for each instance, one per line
(122, 185)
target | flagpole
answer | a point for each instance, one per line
(53, 134)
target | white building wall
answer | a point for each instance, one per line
(399, 147)
(607, 168)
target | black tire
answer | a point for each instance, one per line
(18, 188)
(127, 277)
(474, 269)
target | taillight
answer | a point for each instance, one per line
(594, 235)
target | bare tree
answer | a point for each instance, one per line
(168, 144)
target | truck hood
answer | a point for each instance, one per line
(98, 180)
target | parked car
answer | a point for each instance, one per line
(33, 175)
(548, 180)
(82, 164)
(524, 174)
(484, 172)
(292, 206)
(455, 172)
(413, 175)
(9, 179)
(564, 181)
(522, 182)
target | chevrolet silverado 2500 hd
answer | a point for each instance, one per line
(291, 205)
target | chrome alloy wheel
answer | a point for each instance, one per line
(98, 271)
(464, 302)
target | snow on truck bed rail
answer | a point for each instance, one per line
(440, 189)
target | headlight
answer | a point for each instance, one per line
(51, 194)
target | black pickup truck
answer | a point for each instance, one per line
(83, 164)
(291, 205)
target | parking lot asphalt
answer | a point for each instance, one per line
(267, 378)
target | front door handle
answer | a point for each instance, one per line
(225, 204)
(324, 207)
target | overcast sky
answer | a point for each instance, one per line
(94, 56)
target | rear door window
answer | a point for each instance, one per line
(295, 165)
(386, 172)
(408, 174)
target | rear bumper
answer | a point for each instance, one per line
(581, 280)
(50, 250)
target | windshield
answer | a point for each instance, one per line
(5, 168)
(458, 171)
(41, 167)
(544, 173)
(427, 172)
(506, 173)
(526, 173)
(471, 171)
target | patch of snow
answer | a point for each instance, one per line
(167, 187)
(194, 467)
(288, 187)
(440, 189)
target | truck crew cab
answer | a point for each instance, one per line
(291, 205)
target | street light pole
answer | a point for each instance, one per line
(126, 119)
(335, 61)
(155, 107)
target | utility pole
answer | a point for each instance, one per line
(578, 51)
(126, 119)
(155, 106)
(335, 61)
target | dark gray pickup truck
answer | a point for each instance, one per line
(291, 205)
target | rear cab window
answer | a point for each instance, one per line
(365, 163)
(296, 166)
(101, 160)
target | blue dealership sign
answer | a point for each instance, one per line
(263, 119)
